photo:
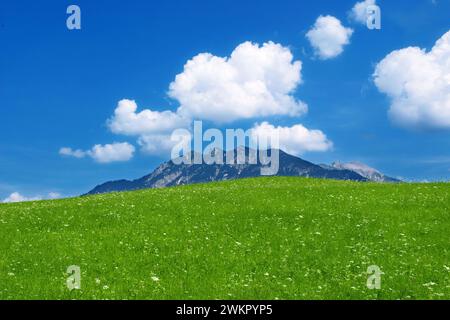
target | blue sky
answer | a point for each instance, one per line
(58, 87)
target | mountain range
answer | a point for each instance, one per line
(170, 174)
(364, 170)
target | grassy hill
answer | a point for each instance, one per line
(264, 238)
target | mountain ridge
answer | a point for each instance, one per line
(364, 170)
(169, 174)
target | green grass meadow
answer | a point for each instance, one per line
(264, 238)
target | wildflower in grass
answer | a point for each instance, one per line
(156, 279)
(429, 284)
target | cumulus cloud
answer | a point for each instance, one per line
(116, 152)
(153, 128)
(156, 143)
(359, 11)
(418, 84)
(328, 37)
(72, 153)
(295, 140)
(129, 122)
(17, 197)
(112, 152)
(254, 81)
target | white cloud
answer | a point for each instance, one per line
(126, 121)
(163, 143)
(72, 153)
(254, 81)
(54, 195)
(295, 140)
(418, 84)
(107, 153)
(359, 11)
(328, 37)
(112, 152)
(157, 143)
(153, 128)
(17, 197)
